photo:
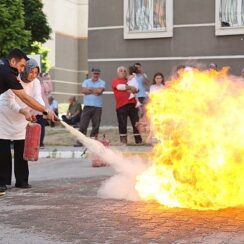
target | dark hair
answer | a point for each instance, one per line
(138, 64)
(132, 69)
(17, 54)
(180, 67)
(158, 74)
(212, 66)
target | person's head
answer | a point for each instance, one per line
(212, 66)
(179, 69)
(121, 72)
(30, 72)
(139, 67)
(95, 73)
(50, 99)
(17, 59)
(72, 99)
(132, 70)
(158, 79)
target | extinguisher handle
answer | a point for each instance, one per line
(33, 119)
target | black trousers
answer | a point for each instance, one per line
(43, 123)
(123, 113)
(71, 121)
(21, 169)
(93, 114)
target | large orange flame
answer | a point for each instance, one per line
(198, 162)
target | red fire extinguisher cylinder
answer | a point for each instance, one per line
(32, 142)
(96, 160)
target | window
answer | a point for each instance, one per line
(229, 17)
(148, 18)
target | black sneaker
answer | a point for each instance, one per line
(78, 144)
(138, 140)
(42, 146)
(2, 190)
(24, 186)
(4, 187)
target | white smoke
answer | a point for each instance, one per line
(121, 185)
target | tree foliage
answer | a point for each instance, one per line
(12, 26)
(24, 25)
(36, 22)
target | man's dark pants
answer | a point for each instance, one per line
(43, 123)
(21, 169)
(71, 121)
(93, 114)
(128, 110)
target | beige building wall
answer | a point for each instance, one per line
(68, 45)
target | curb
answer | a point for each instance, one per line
(78, 154)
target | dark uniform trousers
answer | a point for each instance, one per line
(21, 169)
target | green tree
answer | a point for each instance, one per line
(37, 48)
(36, 22)
(12, 26)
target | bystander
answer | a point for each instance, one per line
(125, 107)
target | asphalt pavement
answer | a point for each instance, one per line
(63, 207)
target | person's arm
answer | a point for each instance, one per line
(13, 105)
(31, 102)
(124, 87)
(86, 90)
(68, 111)
(131, 89)
(37, 92)
(146, 81)
(55, 106)
(13, 83)
(97, 91)
(28, 100)
(28, 115)
(77, 112)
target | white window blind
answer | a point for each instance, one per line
(231, 13)
(148, 16)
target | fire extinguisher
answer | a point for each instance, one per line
(96, 160)
(32, 141)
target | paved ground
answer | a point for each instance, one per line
(63, 207)
(75, 152)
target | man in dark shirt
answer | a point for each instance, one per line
(9, 71)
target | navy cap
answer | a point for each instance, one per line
(95, 70)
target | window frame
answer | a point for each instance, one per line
(224, 31)
(168, 32)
